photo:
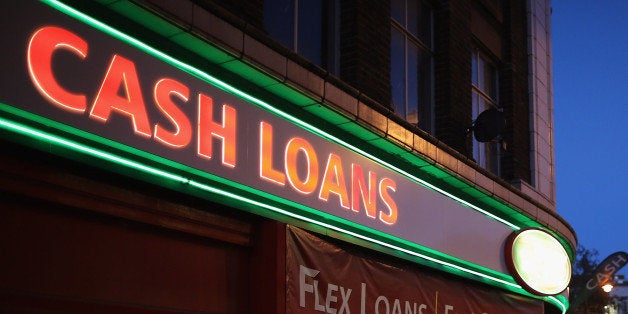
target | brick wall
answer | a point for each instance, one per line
(452, 71)
(365, 63)
(514, 95)
(454, 42)
(250, 11)
(365, 47)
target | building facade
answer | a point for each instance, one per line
(280, 156)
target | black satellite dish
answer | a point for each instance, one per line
(488, 125)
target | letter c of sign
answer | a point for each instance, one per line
(591, 287)
(41, 47)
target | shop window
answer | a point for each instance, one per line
(411, 61)
(484, 95)
(308, 27)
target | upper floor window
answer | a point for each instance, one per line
(484, 95)
(411, 61)
(308, 27)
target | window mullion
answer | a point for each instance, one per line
(405, 76)
(411, 37)
(482, 94)
(295, 29)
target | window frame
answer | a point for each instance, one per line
(425, 111)
(329, 27)
(486, 154)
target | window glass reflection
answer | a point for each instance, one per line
(310, 28)
(411, 62)
(484, 92)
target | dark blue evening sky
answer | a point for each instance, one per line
(590, 62)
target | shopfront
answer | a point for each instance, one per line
(138, 181)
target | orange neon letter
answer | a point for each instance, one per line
(225, 131)
(182, 134)
(361, 191)
(41, 47)
(334, 181)
(266, 170)
(385, 185)
(121, 72)
(294, 146)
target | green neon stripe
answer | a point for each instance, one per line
(559, 301)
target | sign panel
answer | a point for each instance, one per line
(333, 278)
(114, 87)
(538, 261)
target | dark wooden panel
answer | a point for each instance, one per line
(88, 258)
(53, 179)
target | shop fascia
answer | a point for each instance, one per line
(219, 130)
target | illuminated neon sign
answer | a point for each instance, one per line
(120, 95)
(85, 79)
(91, 81)
(88, 89)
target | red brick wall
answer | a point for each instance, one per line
(365, 60)
(514, 83)
(452, 67)
(365, 47)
